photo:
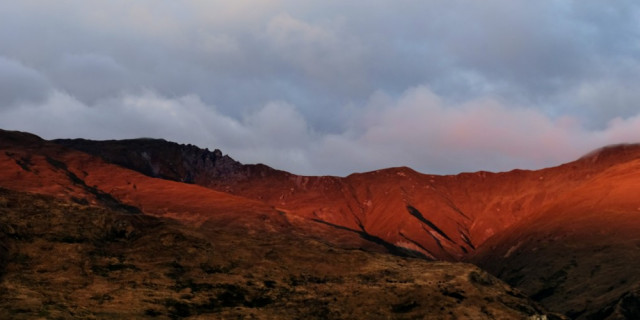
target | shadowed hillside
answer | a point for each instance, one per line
(64, 260)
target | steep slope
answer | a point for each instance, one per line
(28, 163)
(581, 255)
(67, 261)
(566, 235)
(326, 205)
(444, 217)
(398, 206)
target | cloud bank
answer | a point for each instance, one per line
(330, 88)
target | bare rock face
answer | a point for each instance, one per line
(162, 159)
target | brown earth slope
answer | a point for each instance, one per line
(64, 260)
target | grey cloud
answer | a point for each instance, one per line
(90, 77)
(324, 54)
(20, 84)
(419, 129)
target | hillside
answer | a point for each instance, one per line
(566, 236)
(63, 260)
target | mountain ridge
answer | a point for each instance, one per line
(314, 197)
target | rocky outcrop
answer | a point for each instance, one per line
(11, 138)
(169, 160)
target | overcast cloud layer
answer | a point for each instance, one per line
(330, 87)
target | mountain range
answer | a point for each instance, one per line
(561, 242)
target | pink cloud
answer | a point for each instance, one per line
(422, 130)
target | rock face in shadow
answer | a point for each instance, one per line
(566, 236)
(168, 160)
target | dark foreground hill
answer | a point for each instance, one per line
(63, 260)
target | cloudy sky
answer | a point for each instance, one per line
(330, 87)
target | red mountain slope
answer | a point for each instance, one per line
(28, 163)
(444, 217)
(580, 255)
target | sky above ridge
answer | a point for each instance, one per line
(330, 87)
